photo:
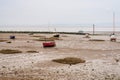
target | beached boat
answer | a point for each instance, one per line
(112, 37)
(56, 35)
(49, 44)
(12, 37)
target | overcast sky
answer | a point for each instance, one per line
(37, 12)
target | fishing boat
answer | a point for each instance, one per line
(12, 37)
(112, 37)
(56, 35)
(49, 44)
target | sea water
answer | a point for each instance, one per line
(57, 28)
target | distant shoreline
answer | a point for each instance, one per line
(77, 33)
(44, 32)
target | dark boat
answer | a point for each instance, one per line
(12, 37)
(49, 44)
(57, 35)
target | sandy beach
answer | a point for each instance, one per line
(102, 58)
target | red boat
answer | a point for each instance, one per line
(49, 44)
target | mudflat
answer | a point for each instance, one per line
(102, 57)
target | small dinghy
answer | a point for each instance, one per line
(113, 38)
(57, 35)
(49, 44)
(12, 37)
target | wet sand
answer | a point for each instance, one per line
(102, 58)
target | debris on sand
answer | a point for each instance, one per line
(87, 36)
(32, 51)
(38, 36)
(54, 38)
(3, 40)
(9, 51)
(96, 40)
(9, 42)
(69, 60)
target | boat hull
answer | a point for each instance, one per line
(12, 37)
(49, 44)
